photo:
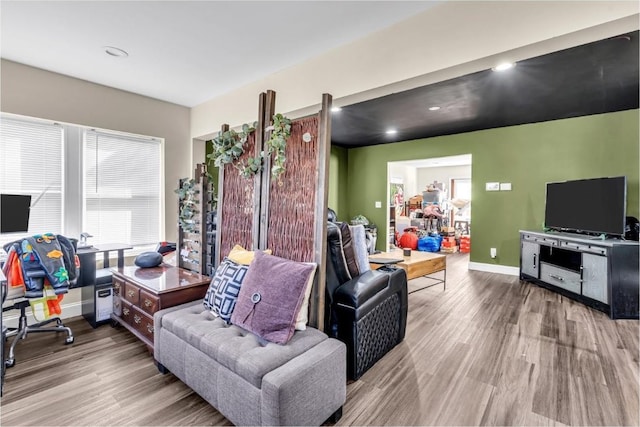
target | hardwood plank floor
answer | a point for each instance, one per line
(490, 350)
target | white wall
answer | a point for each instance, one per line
(451, 39)
(443, 174)
(405, 173)
(37, 93)
(199, 154)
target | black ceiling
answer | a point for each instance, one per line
(594, 78)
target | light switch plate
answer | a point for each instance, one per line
(505, 186)
(378, 204)
(492, 186)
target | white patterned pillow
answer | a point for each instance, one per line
(303, 315)
(223, 291)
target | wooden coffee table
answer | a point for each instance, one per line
(419, 264)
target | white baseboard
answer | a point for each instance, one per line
(494, 268)
(68, 310)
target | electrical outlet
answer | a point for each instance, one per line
(378, 204)
(494, 252)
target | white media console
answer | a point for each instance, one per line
(602, 273)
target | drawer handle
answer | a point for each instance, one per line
(149, 328)
(147, 303)
(560, 278)
(130, 293)
(137, 318)
(125, 311)
(116, 304)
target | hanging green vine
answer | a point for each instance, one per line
(228, 146)
(187, 202)
(253, 165)
(277, 144)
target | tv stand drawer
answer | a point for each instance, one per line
(598, 250)
(560, 277)
(537, 238)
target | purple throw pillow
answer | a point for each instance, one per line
(271, 296)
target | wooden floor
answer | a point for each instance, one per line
(487, 351)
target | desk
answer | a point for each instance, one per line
(97, 283)
(109, 247)
(87, 256)
(419, 264)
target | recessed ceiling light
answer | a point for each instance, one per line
(434, 108)
(391, 132)
(115, 51)
(504, 66)
(335, 109)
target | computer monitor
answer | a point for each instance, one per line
(14, 213)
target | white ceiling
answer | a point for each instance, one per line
(185, 52)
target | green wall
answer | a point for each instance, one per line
(527, 156)
(338, 191)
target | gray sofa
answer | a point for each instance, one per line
(252, 382)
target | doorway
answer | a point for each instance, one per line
(443, 182)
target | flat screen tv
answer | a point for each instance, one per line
(14, 213)
(591, 206)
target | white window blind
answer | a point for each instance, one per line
(32, 163)
(122, 188)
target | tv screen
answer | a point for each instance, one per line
(595, 205)
(14, 213)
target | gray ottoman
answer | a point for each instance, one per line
(252, 382)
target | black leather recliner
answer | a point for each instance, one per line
(367, 311)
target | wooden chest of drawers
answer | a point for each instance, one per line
(140, 292)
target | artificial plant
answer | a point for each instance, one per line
(277, 144)
(228, 146)
(187, 202)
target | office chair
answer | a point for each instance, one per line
(24, 328)
(20, 302)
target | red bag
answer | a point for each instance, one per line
(409, 239)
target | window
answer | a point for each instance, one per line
(121, 188)
(32, 163)
(461, 192)
(106, 183)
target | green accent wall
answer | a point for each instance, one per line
(338, 190)
(527, 156)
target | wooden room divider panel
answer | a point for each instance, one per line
(291, 208)
(237, 206)
(287, 215)
(192, 243)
